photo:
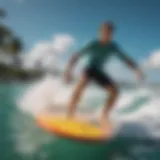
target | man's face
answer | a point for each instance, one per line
(105, 33)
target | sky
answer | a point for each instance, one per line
(137, 23)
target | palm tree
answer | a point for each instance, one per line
(15, 45)
(5, 32)
(8, 41)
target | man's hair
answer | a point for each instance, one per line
(110, 25)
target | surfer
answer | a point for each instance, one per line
(99, 52)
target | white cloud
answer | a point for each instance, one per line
(153, 62)
(61, 43)
(46, 53)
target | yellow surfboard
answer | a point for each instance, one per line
(70, 128)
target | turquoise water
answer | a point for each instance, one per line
(22, 139)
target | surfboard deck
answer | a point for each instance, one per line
(70, 128)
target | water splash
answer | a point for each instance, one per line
(138, 106)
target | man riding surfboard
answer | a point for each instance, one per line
(99, 51)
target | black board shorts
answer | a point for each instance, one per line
(99, 77)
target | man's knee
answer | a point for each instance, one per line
(113, 91)
(80, 86)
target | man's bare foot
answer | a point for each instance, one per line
(106, 128)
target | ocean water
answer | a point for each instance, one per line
(136, 121)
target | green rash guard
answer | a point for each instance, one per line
(100, 53)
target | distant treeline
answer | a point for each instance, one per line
(11, 45)
(13, 73)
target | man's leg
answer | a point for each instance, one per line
(109, 103)
(77, 95)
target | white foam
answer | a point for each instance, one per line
(39, 95)
(51, 91)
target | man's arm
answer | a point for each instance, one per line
(74, 60)
(130, 62)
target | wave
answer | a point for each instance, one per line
(137, 110)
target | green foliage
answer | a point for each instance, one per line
(12, 73)
(15, 45)
(9, 42)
